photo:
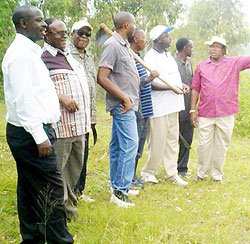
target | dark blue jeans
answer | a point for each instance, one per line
(123, 149)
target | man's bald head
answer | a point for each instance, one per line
(23, 12)
(121, 18)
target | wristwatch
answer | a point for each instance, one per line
(191, 111)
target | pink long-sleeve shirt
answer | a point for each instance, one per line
(218, 84)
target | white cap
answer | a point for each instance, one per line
(158, 30)
(217, 39)
(79, 24)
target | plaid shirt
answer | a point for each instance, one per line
(89, 66)
(73, 84)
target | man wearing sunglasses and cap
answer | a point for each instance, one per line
(216, 83)
(80, 39)
(163, 132)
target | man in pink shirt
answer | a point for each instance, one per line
(216, 82)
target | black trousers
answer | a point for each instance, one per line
(186, 129)
(39, 190)
(81, 182)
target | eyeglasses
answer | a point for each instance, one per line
(81, 33)
(215, 47)
(60, 33)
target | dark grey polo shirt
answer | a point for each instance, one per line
(117, 57)
(186, 72)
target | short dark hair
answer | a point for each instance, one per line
(49, 21)
(22, 12)
(121, 18)
(181, 43)
(131, 38)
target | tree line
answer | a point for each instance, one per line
(200, 22)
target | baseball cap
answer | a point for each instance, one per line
(79, 24)
(217, 39)
(158, 30)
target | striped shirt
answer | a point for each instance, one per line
(146, 106)
(72, 82)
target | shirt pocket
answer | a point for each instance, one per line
(126, 63)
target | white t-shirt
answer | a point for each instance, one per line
(165, 101)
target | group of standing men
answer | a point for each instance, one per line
(39, 111)
(129, 89)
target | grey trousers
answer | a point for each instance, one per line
(70, 152)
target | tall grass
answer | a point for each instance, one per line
(204, 213)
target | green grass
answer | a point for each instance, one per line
(205, 212)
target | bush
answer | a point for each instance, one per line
(242, 119)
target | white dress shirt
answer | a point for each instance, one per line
(30, 95)
(165, 101)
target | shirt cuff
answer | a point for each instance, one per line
(40, 136)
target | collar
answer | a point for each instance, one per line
(28, 43)
(74, 50)
(181, 61)
(54, 51)
(121, 40)
(164, 51)
(209, 61)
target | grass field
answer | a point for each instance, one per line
(205, 212)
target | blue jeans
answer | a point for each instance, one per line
(123, 149)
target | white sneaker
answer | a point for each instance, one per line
(86, 198)
(133, 192)
(178, 181)
(149, 178)
(121, 200)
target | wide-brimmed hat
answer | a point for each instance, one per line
(79, 24)
(216, 39)
(158, 30)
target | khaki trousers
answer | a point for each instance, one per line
(214, 138)
(70, 152)
(163, 139)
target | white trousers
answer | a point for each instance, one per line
(214, 138)
(163, 136)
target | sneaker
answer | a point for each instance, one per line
(149, 178)
(133, 192)
(121, 200)
(197, 178)
(137, 183)
(184, 175)
(179, 181)
(86, 198)
(219, 181)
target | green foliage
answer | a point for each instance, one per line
(207, 18)
(242, 119)
(6, 27)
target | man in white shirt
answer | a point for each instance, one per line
(164, 125)
(32, 105)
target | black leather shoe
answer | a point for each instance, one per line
(137, 183)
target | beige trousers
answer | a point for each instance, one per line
(214, 138)
(163, 136)
(70, 152)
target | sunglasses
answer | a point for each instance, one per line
(81, 33)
